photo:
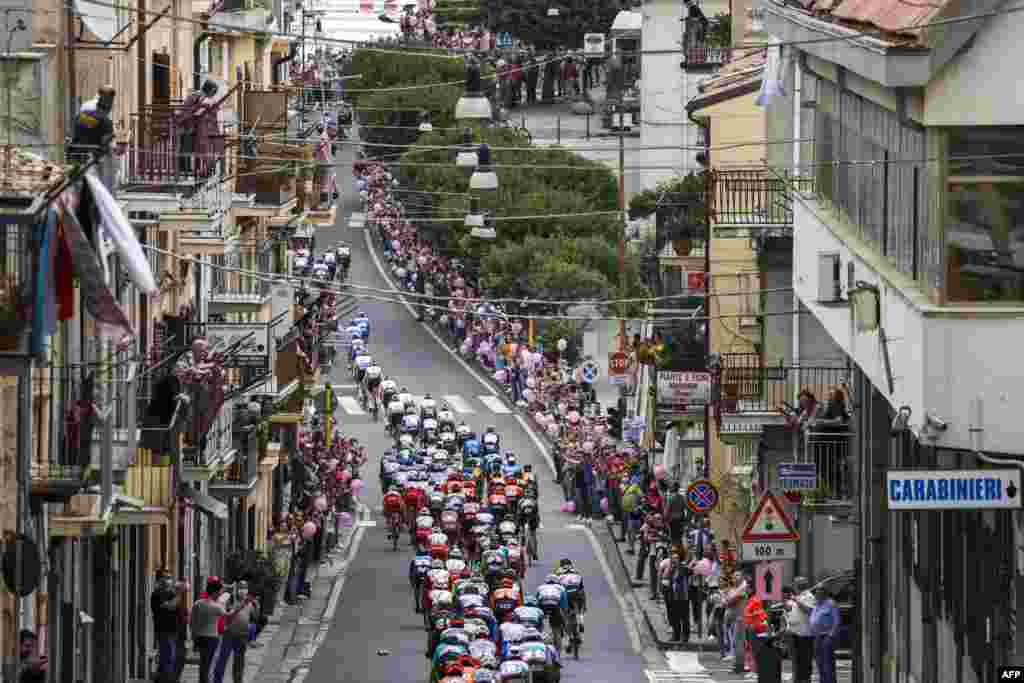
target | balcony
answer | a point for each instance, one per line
(830, 452)
(320, 208)
(162, 155)
(272, 185)
(236, 292)
(749, 203)
(239, 478)
(749, 394)
(700, 57)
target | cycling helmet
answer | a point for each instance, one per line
(488, 662)
(490, 430)
(552, 579)
(427, 397)
(566, 563)
(405, 390)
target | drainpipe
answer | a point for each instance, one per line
(196, 76)
(797, 83)
(293, 52)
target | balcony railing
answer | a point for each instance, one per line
(163, 152)
(232, 287)
(706, 56)
(241, 474)
(751, 199)
(830, 453)
(746, 385)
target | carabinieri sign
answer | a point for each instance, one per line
(952, 489)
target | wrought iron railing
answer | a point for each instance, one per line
(752, 198)
(164, 151)
(746, 385)
(243, 286)
(707, 56)
(829, 451)
(243, 471)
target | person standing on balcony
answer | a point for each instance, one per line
(196, 124)
(163, 603)
(833, 423)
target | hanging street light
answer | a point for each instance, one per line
(425, 125)
(467, 158)
(475, 217)
(484, 178)
(473, 105)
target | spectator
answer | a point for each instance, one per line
(207, 621)
(674, 577)
(799, 604)
(677, 514)
(824, 623)
(239, 628)
(163, 603)
(31, 666)
(182, 618)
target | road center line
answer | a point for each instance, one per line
(495, 404)
(458, 404)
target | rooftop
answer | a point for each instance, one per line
(898, 20)
(739, 76)
(26, 174)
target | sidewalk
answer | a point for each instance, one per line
(287, 645)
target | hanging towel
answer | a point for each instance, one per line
(96, 296)
(771, 82)
(64, 274)
(117, 227)
(41, 236)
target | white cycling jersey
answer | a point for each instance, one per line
(329, 257)
(446, 416)
(363, 362)
(374, 372)
(490, 437)
(320, 268)
(301, 263)
(406, 399)
(411, 422)
(428, 404)
(396, 408)
(388, 385)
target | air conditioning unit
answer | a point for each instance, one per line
(830, 284)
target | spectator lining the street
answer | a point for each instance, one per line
(164, 606)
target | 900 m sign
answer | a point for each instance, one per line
(768, 550)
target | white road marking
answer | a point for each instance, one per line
(632, 625)
(458, 404)
(350, 404)
(685, 662)
(495, 404)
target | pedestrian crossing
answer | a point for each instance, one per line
(460, 405)
(694, 667)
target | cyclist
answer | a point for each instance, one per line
(362, 361)
(529, 614)
(373, 380)
(552, 598)
(388, 390)
(491, 438)
(418, 568)
(394, 507)
(506, 599)
(396, 411)
(411, 422)
(405, 397)
(363, 321)
(428, 408)
(572, 581)
(510, 468)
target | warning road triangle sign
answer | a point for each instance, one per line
(770, 522)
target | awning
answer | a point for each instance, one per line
(209, 504)
(99, 19)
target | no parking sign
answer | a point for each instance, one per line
(701, 496)
(590, 371)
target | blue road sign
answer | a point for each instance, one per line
(701, 496)
(797, 476)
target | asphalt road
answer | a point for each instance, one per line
(376, 636)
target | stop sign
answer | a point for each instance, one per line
(617, 364)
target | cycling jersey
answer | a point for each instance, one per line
(490, 438)
(446, 416)
(388, 386)
(353, 331)
(320, 269)
(396, 408)
(406, 399)
(374, 372)
(363, 362)
(552, 596)
(329, 257)
(530, 616)
(411, 422)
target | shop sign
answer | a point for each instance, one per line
(952, 489)
(676, 388)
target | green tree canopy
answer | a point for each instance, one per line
(528, 20)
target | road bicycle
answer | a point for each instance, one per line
(394, 528)
(572, 629)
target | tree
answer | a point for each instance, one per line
(528, 20)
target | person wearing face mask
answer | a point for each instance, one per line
(239, 624)
(163, 603)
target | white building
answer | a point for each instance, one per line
(909, 250)
(669, 80)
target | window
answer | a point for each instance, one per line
(750, 299)
(985, 214)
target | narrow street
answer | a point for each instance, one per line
(376, 636)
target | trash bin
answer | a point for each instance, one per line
(767, 659)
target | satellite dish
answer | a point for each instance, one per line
(31, 568)
(99, 19)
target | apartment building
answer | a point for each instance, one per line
(906, 252)
(114, 476)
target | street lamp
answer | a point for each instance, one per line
(467, 158)
(475, 217)
(473, 105)
(484, 178)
